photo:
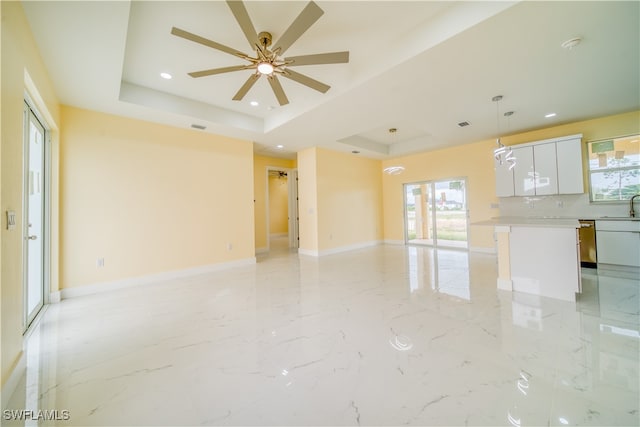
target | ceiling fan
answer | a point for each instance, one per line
(270, 61)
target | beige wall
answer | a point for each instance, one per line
(150, 198)
(260, 165)
(475, 162)
(19, 54)
(278, 205)
(340, 200)
(307, 200)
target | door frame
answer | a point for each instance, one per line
(28, 109)
(432, 183)
(292, 205)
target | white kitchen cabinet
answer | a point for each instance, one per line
(545, 169)
(618, 242)
(569, 161)
(523, 173)
(549, 167)
(504, 180)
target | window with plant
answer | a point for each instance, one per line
(614, 168)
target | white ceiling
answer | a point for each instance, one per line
(419, 66)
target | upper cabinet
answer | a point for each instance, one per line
(543, 168)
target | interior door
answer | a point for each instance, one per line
(34, 224)
(294, 217)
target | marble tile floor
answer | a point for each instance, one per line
(388, 335)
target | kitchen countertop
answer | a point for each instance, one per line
(548, 221)
(524, 221)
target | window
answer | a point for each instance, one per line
(614, 168)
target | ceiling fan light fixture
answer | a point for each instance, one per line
(265, 68)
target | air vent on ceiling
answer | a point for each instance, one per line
(198, 127)
(463, 124)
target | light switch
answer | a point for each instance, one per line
(11, 220)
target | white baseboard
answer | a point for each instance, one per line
(340, 249)
(393, 242)
(96, 288)
(54, 297)
(505, 284)
(482, 250)
(12, 382)
(307, 252)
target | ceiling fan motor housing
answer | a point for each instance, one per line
(264, 38)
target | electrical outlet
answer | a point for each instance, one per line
(100, 262)
(229, 246)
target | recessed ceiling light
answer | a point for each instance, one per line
(254, 103)
(550, 115)
(166, 76)
(200, 127)
(355, 152)
(280, 146)
(463, 124)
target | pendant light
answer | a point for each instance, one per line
(502, 153)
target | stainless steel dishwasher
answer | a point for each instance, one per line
(587, 237)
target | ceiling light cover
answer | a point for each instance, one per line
(166, 76)
(393, 170)
(550, 115)
(254, 103)
(265, 68)
(280, 146)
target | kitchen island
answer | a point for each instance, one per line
(538, 256)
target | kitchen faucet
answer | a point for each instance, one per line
(632, 213)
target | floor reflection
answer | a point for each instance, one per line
(444, 271)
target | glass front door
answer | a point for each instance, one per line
(34, 232)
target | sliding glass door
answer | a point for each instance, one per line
(436, 213)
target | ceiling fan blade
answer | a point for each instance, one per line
(277, 89)
(320, 58)
(306, 80)
(213, 71)
(210, 43)
(246, 86)
(241, 15)
(310, 14)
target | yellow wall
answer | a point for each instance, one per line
(149, 198)
(19, 54)
(278, 205)
(347, 208)
(260, 165)
(307, 201)
(475, 162)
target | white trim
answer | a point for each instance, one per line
(12, 382)
(503, 229)
(307, 252)
(505, 284)
(54, 297)
(340, 249)
(96, 288)
(393, 242)
(482, 250)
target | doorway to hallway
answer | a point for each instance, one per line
(436, 213)
(282, 217)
